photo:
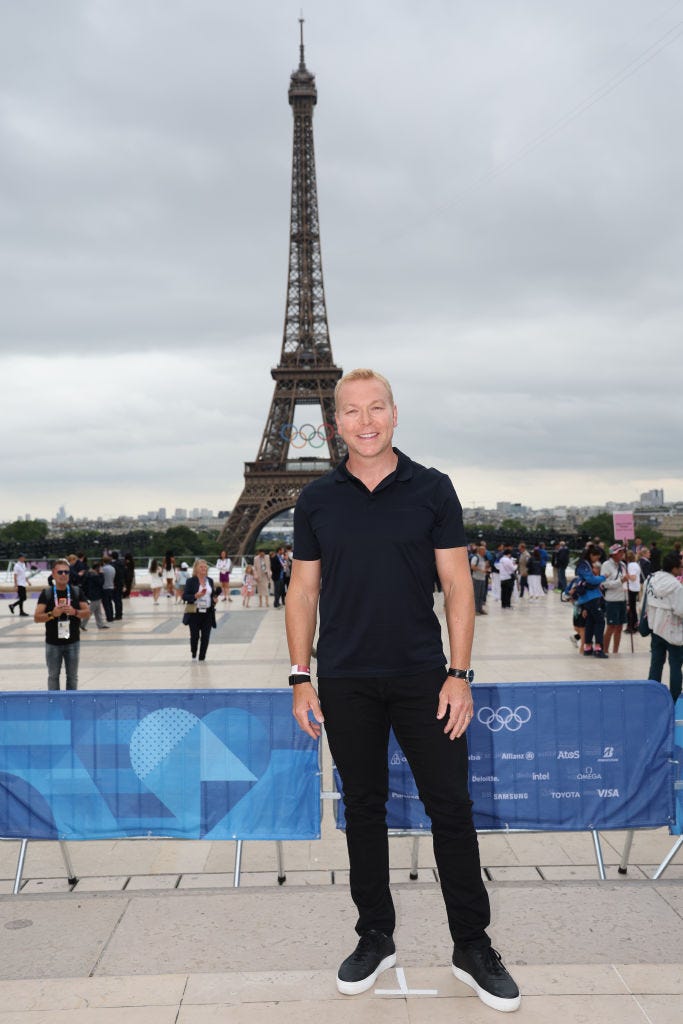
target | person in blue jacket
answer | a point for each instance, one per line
(590, 600)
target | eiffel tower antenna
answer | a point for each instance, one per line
(292, 453)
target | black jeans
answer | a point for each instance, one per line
(108, 604)
(595, 622)
(358, 716)
(200, 632)
(506, 588)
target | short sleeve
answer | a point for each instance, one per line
(306, 546)
(448, 530)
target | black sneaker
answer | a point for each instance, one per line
(483, 970)
(374, 953)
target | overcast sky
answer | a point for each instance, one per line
(502, 235)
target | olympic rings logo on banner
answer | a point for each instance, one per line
(504, 718)
(299, 437)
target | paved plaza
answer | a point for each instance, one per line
(154, 930)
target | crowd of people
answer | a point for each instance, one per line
(608, 593)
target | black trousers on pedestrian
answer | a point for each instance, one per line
(506, 588)
(358, 716)
(117, 598)
(108, 604)
(595, 622)
(200, 632)
(21, 597)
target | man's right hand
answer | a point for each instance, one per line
(305, 699)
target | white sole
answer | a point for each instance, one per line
(354, 988)
(495, 1002)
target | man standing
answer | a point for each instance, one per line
(62, 609)
(119, 584)
(20, 582)
(615, 596)
(561, 564)
(369, 539)
(109, 577)
(278, 569)
(665, 618)
(507, 568)
(480, 568)
(522, 562)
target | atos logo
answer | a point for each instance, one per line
(567, 755)
(608, 793)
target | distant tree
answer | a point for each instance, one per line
(181, 539)
(24, 531)
(601, 526)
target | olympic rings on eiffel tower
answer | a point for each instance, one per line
(299, 437)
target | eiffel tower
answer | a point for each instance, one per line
(293, 452)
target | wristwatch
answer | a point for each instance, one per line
(462, 673)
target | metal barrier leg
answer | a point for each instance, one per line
(669, 857)
(414, 858)
(626, 852)
(20, 867)
(281, 876)
(238, 864)
(598, 854)
(70, 873)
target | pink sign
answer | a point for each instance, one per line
(624, 528)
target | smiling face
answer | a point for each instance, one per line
(366, 418)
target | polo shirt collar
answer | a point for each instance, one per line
(403, 471)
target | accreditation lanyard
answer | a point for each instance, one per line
(63, 625)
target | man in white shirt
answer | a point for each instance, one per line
(20, 582)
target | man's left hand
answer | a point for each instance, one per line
(456, 695)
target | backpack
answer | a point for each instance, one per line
(643, 626)
(574, 590)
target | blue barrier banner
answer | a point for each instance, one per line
(557, 757)
(191, 764)
(677, 829)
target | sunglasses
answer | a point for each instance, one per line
(61, 572)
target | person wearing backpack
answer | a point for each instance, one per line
(62, 609)
(665, 619)
(590, 600)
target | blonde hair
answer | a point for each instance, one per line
(362, 374)
(200, 561)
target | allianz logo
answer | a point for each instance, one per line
(527, 756)
(589, 774)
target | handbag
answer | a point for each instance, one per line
(189, 610)
(643, 627)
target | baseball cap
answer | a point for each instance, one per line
(184, 565)
(616, 548)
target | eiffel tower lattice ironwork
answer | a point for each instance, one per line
(291, 456)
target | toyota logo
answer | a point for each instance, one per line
(504, 718)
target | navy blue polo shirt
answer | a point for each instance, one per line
(376, 550)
